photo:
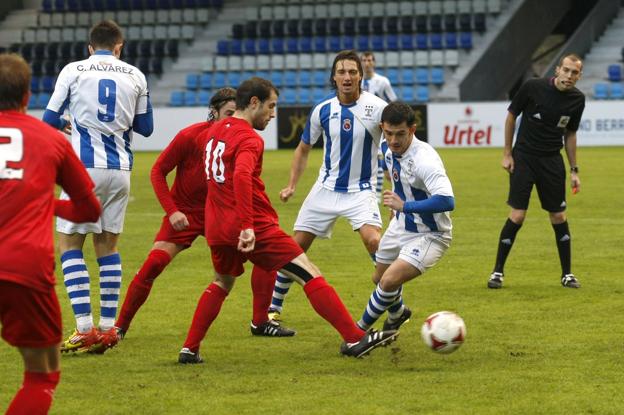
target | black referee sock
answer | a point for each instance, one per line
(505, 242)
(562, 233)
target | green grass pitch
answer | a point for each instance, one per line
(532, 347)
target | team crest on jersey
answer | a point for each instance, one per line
(346, 124)
(395, 175)
(368, 110)
(563, 121)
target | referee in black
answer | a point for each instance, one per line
(551, 111)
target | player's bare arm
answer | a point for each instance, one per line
(510, 125)
(298, 166)
(570, 148)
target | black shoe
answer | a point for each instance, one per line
(570, 281)
(394, 325)
(121, 333)
(370, 341)
(271, 328)
(186, 356)
(496, 280)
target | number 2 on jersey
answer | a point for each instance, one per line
(107, 93)
(214, 163)
(11, 149)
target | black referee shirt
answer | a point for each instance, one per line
(546, 114)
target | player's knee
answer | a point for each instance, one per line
(557, 217)
(517, 216)
(390, 282)
(372, 243)
(225, 281)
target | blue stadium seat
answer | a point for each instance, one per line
(223, 47)
(32, 101)
(264, 28)
(233, 79)
(407, 41)
(236, 46)
(349, 26)
(601, 91)
(422, 93)
(262, 74)
(393, 76)
(363, 26)
(421, 24)
(305, 44)
(192, 81)
(422, 42)
(292, 28)
(292, 45)
(406, 24)
(377, 43)
(304, 96)
(203, 98)
(392, 25)
(334, 26)
(435, 40)
(277, 78)
(465, 40)
(46, 6)
(34, 84)
(334, 44)
(42, 100)
(219, 80)
(407, 93)
(318, 94)
(47, 83)
(251, 29)
(479, 22)
(277, 28)
(450, 23)
(249, 46)
(422, 76)
(320, 27)
(392, 42)
(307, 27)
(320, 45)
(248, 74)
(450, 40)
(437, 76)
(59, 5)
(465, 22)
(289, 96)
(319, 78)
(305, 78)
(363, 42)
(190, 98)
(277, 45)
(264, 46)
(615, 73)
(435, 23)
(407, 76)
(377, 25)
(348, 42)
(290, 79)
(205, 80)
(616, 91)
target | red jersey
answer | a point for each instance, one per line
(236, 195)
(33, 157)
(188, 193)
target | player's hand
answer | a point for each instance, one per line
(508, 163)
(575, 182)
(247, 240)
(178, 220)
(392, 200)
(68, 127)
(286, 193)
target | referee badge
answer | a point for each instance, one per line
(346, 124)
(563, 121)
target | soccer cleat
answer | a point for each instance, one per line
(275, 315)
(496, 280)
(271, 328)
(81, 342)
(108, 340)
(370, 341)
(394, 325)
(186, 356)
(570, 281)
(121, 333)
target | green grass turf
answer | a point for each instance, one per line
(532, 347)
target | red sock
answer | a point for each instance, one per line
(207, 310)
(262, 283)
(35, 396)
(328, 305)
(141, 285)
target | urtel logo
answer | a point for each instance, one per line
(465, 132)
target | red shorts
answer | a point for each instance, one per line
(30, 318)
(274, 248)
(184, 237)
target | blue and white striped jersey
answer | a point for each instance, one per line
(103, 94)
(351, 137)
(379, 85)
(418, 174)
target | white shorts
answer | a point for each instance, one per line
(323, 207)
(112, 188)
(422, 250)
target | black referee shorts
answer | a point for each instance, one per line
(546, 173)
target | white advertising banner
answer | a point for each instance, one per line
(470, 125)
(168, 121)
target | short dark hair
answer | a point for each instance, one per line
(254, 87)
(105, 35)
(397, 112)
(221, 97)
(14, 81)
(573, 57)
(345, 55)
(367, 54)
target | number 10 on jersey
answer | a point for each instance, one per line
(215, 169)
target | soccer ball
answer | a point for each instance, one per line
(443, 332)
